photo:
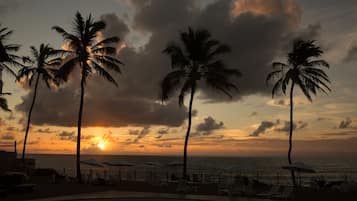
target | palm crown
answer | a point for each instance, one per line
(43, 63)
(301, 69)
(197, 60)
(7, 52)
(86, 51)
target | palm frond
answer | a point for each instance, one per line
(314, 63)
(171, 82)
(3, 104)
(102, 72)
(178, 59)
(104, 50)
(273, 75)
(67, 68)
(109, 62)
(277, 86)
(106, 41)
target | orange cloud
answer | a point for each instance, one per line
(269, 8)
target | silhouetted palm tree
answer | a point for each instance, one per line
(89, 55)
(42, 66)
(7, 57)
(196, 60)
(301, 70)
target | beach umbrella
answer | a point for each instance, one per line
(118, 164)
(299, 167)
(92, 162)
(152, 164)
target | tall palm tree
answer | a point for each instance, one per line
(89, 55)
(42, 66)
(197, 58)
(303, 69)
(8, 58)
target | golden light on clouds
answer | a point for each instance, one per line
(268, 8)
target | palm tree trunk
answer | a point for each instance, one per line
(1, 82)
(79, 176)
(291, 131)
(184, 172)
(29, 118)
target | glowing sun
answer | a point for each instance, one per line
(101, 145)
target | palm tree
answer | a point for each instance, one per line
(8, 58)
(196, 60)
(42, 62)
(301, 70)
(89, 55)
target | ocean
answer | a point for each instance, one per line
(266, 169)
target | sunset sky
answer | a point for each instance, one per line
(130, 119)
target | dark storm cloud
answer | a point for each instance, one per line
(254, 38)
(208, 126)
(133, 102)
(114, 26)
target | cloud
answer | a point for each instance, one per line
(11, 128)
(351, 54)
(135, 100)
(7, 137)
(163, 145)
(343, 133)
(346, 123)
(45, 130)
(264, 125)
(139, 134)
(286, 126)
(208, 126)
(68, 136)
(288, 8)
(323, 119)
(278, 125)
(72, 136)
(7, 6)
(253, 114)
